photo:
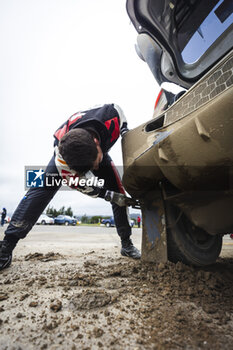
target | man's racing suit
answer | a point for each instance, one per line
(106, 121)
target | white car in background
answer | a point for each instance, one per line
(45, 220)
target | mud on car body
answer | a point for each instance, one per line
(186, 147)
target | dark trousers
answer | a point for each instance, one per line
(36, 199)
(112, 182)
(2, 220)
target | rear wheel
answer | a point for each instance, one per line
(43, 222)
(189, 243)
(66, 223)
(108, 224)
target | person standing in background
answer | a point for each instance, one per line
(3, 216)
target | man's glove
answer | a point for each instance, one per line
(121, 200)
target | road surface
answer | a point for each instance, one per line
(68, 288)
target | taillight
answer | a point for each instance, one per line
(158, 98)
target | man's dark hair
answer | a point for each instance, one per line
(78, 149)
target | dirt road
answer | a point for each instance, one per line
(68, 288)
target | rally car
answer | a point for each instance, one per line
(179, 163)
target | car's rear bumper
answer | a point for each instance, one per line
(193, 149)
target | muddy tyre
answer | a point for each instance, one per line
(188, 243)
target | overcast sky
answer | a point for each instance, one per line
(59, 57)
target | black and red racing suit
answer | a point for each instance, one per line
(106, 121)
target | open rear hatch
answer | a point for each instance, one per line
(182, 39)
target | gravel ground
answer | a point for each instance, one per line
(68, 288)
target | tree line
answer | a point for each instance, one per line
(92, 219)
(52, 212)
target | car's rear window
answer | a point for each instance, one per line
(216, 23)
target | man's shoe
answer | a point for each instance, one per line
(128, 249)
(5, 254)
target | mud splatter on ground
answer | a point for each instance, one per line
(102, 301)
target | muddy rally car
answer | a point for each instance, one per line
(179, 164)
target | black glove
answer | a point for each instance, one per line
(121, 200)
